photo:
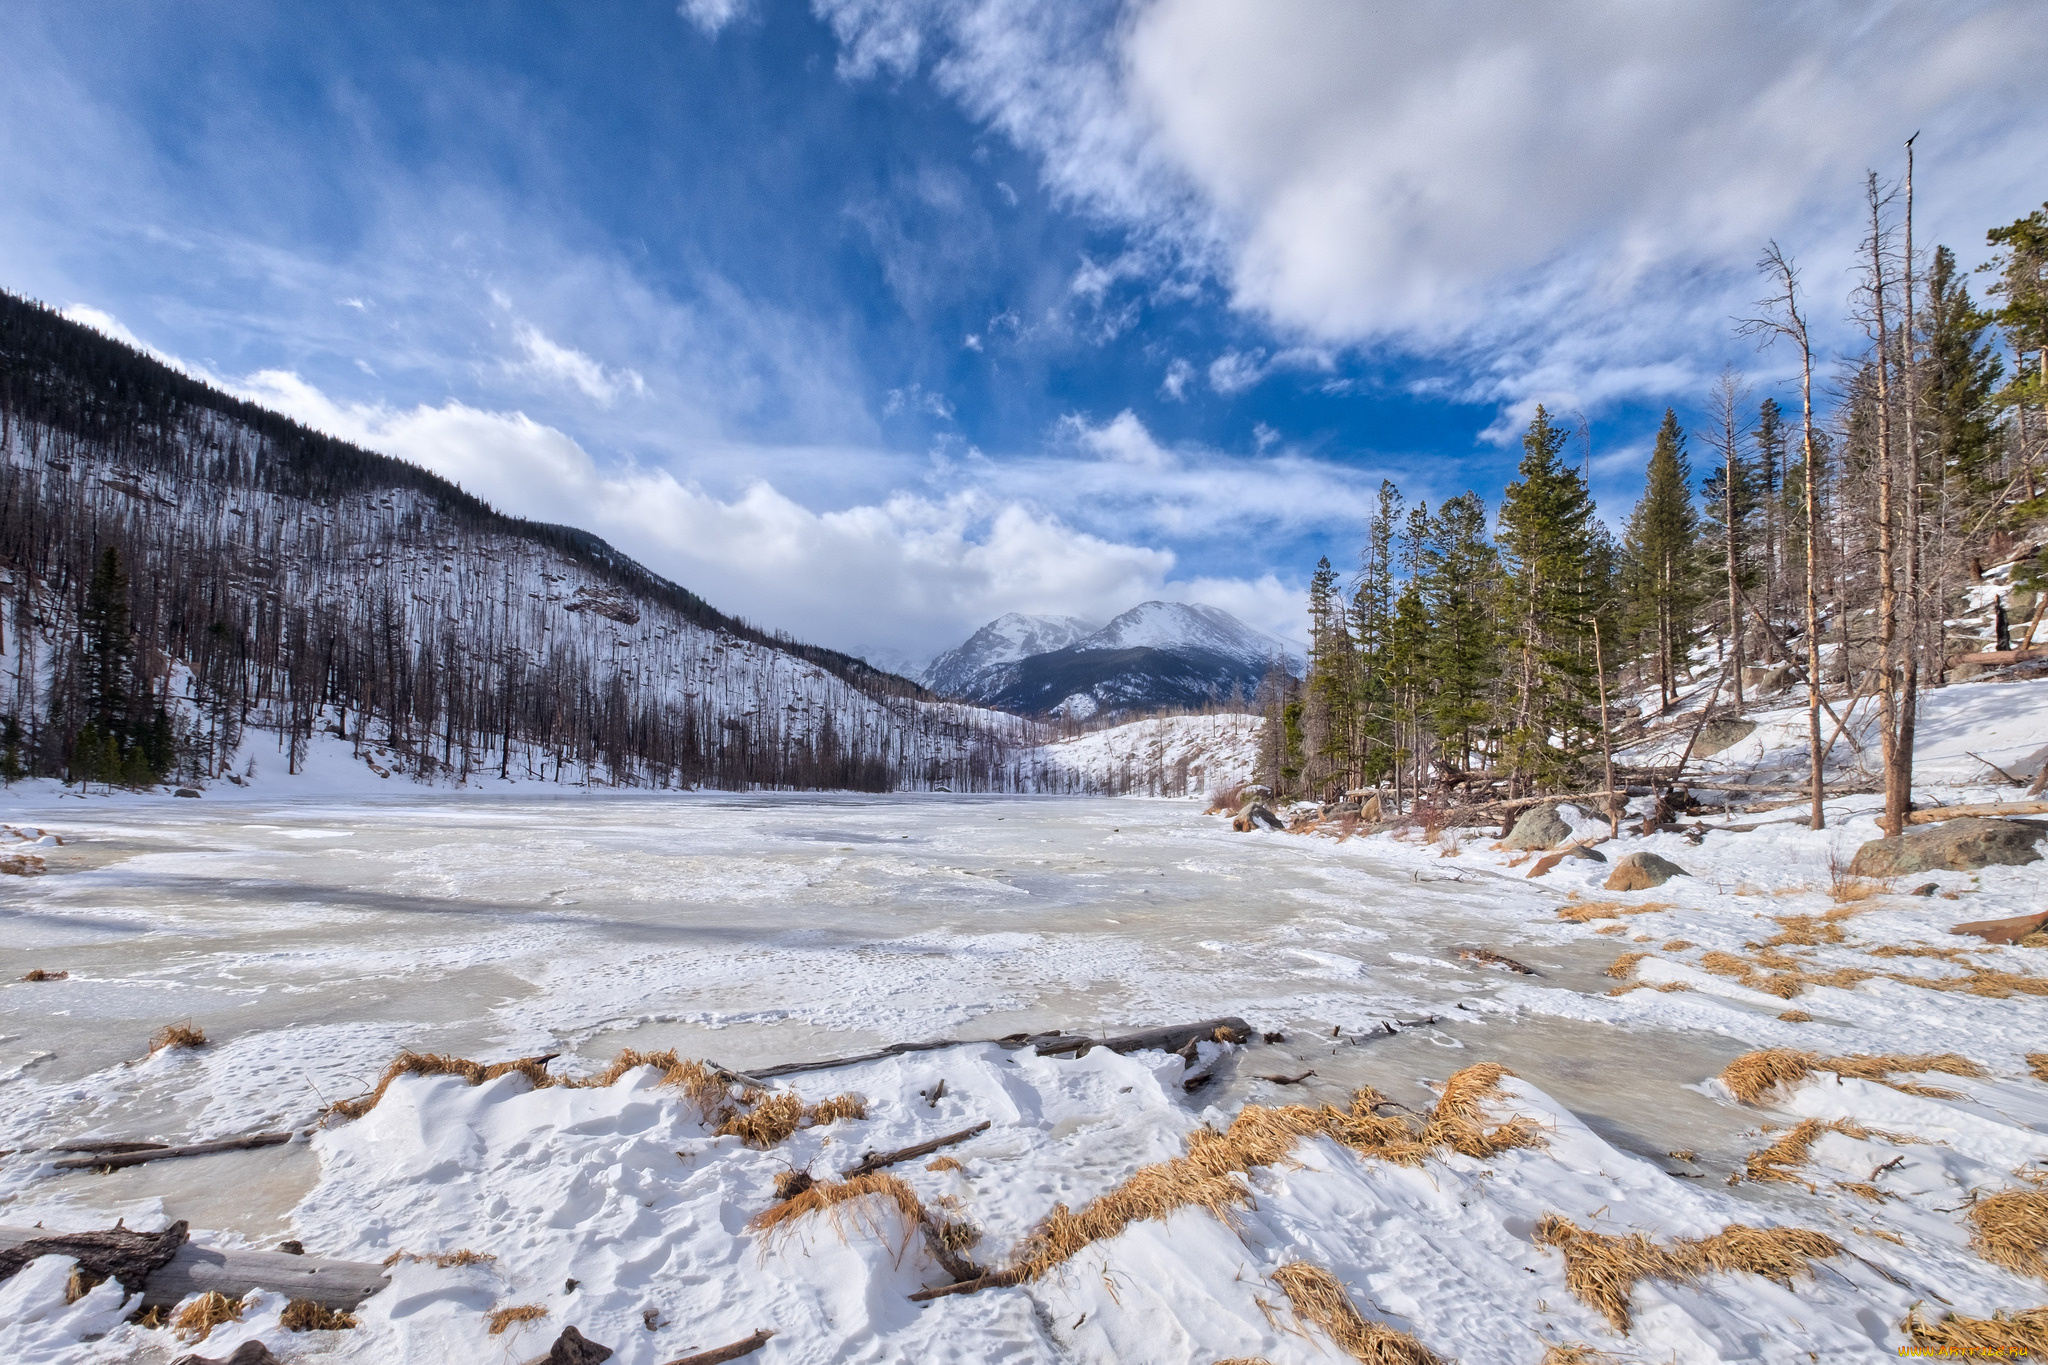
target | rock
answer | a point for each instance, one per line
(1961, 845)
(1539, 827)
(248, 1353)
(573, 1348)
(1551, 860)
(1768, 681)
(186, 791)
(1586, 851)
(1925, 889)
(1371, 812)
(1717, 735)
(1641, 871)
(1255, 816)
(1545, 863)
(2005, 930)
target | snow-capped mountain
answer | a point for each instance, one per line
(1156, 654)
(960, 672)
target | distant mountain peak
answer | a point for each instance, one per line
(1156, 654)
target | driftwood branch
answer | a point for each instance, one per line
(875, 1161)
(196, 1269)
(724, 1353)
(1937, 814)
(994, 1280)
(111, 1156)
(1172, 1039)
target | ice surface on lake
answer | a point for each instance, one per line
(314, 938)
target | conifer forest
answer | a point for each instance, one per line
(1821, 537)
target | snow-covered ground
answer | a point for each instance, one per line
(1165, 756)
(312, 936)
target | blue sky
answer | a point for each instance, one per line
(872, 320)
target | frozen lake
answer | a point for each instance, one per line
(314, 940)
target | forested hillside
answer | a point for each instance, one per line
(1873, 534)
(183, 569)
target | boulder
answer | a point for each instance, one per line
(1255, 816)
(1371, 812)
(1725, 733)
(1960, 845)
(186, 791)
(2005, 930)
(1769, 680)
(1641, 871)
(1539, 827)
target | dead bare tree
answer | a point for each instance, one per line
(1783, 320)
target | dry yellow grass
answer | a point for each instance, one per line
(1317, 1298)
(1786, 977)
(1806, 931)
(438, 1064)
(444, 1259)
(304, 1315)
(760, 1119)
(1777, 1161)
(1612, 929)
(1676, 945)
(860, 1199)
(943, 1163)
(1624, 967)
(2011, 1229)
(502, 1319)
(2037, 1063)
(1582, 912)
(2024, 1333)
(1206, 1177)
(1754, 1074)
(1577, 1353)
(1602, 1269)
(199, 1317)
(177, 1035)
(43, 974)
(1668, 987)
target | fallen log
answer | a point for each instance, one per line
(998, 1279)
(875, 1161)
(1935, 815)
(1997, 658)
(195, 1270)
(1048, 1045)
(724, 1353)
(117, 1155)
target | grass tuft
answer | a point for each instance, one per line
(1755, 1074)
(177, 1035)
(2021, 1334)
(862, 1199)
(2037, 1064)
(199, 1317)
(502, 1319)
(43, 974)
(944, 1163)
(1624, 966)
(411, 1063)
(304, 1315)
(444, 1259)
(1208, 1176)
(1602, 1269)
(1582, 912)
(1318, 1298)
(2011, 1229)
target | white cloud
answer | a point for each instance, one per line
(1124, 440)
(905, 575)
(1235, 371)
(712, 15)
(1574, 188)
(1175, 384)
(564, 364)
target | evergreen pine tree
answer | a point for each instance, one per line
(1960, 371)
(1662, 543)
(1459, 582)
(1547, 540)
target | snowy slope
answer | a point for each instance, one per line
(1186, 626)
(1163, 756)
(961, 671)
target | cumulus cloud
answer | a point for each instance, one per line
(1175, 384)
(902, 576)
(1489, 178)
